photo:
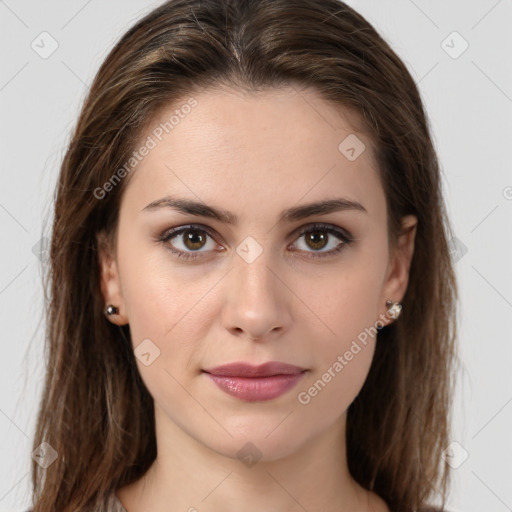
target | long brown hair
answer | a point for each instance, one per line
(95, 411)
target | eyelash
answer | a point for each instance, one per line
(344, 236)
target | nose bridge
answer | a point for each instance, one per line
(256, 299)
(255, 279)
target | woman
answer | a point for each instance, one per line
(249, 199)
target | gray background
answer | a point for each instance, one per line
(469, 102)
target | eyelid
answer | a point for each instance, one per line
(178, 229)
(330, 228)
(295, 233)
(345, 237)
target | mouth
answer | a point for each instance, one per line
(241, 369)
(256, 383)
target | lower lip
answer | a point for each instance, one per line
(256, 389)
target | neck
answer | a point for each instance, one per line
(187, 475)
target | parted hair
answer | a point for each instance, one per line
(95, 411)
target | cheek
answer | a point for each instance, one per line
(348, 307)
(159, 295)
(345, 299)
(343, 359)
(168, 308)
(161, 318)
(330, 391)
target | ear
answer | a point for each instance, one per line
(397, 277)
(109, 279)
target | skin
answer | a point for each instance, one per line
(254, 155)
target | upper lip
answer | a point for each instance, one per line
(241, 369)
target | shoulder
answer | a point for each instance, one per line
(445, 509)
(113, 504)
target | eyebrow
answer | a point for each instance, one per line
(192, 207)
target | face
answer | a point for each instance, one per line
(253, 284)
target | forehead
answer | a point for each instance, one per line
(254, 145)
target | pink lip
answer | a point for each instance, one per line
(248, 370)
(256, 383)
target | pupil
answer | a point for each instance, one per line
(194, 238)
(318, 239)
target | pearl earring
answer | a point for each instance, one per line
(394, 309)
(111, 310)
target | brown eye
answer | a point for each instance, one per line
(316, 239)
(322, 241)
(189, 242)
(193, 239)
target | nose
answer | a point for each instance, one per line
(257, 303)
